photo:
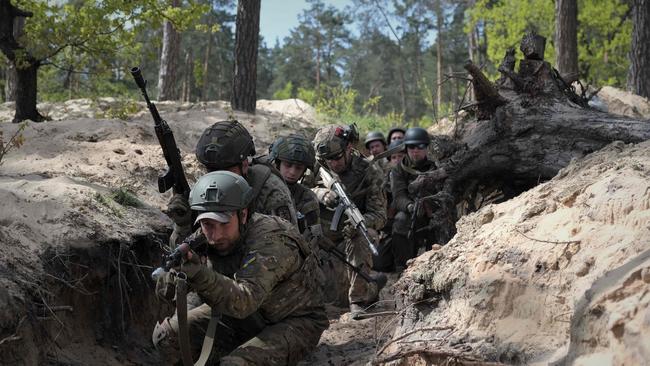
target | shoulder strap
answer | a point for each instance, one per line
(261, 173)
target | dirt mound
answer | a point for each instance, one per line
(560, 273)
(82, 227)
(624, 103)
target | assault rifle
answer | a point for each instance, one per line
(346, 205)
(174, 177)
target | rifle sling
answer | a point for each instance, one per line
(208, 341)
(181, 313)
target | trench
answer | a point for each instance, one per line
(88, 305)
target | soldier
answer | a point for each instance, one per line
(292, 156)
(227, 145)
(396, 133)
(261, 278)
(416, 184)
(334, 149)
(384, 262)
(375, 143)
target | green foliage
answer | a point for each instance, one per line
(125, 198)
(285, 92)
(123, 109)
(112, 206)
(604, 33)
(506, 21)
(604, 39)
(15, 141)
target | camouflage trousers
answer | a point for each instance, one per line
(358, 254)
(248, 341)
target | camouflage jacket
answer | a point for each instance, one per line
(363, 184)
(272, 196)
(271, 270)
(401, 177)
(306, 203)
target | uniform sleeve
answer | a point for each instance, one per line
(262, 268)
(310, 208)
(399, 188)
(277, 200)
(375, 214)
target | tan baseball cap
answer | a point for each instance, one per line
(223, 217)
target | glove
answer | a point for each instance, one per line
(349, 230)
(191, 266)
(330, 199)
(166, 287)
(410, 207)
(178, 209)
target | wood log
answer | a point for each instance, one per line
(530, 135)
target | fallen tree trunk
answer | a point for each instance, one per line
(525, 133)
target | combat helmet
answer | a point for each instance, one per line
(330, 141)
(416, 136)
(395, 143)
(220, 191)
(374, 136)
(224, 144)
(293, 148)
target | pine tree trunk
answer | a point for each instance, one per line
(246, 42)
(10, 79)
(566, 39)
(638, 79)
(168, 60)
(206, 60)
(440, 21)
(26, 88)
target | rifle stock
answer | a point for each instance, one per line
(174, 178)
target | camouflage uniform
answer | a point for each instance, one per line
(306, 203)
(273, 197)
(226, 144)
(362, 182)
(268, 292)
(432, 213)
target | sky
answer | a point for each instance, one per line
(278, 17)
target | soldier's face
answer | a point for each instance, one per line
(417, 152)
(291, 172)
(223, 236)
(376, 147)
(338, 164)
(397, 135)
(396, 158)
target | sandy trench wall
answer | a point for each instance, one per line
(74, 261)
(559, 274)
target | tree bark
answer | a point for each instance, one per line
(10, 79)
(26, 89)
(206, 60)
(27, 72)
(169, 60)
(526, 137)
(246, 43)
(566, 39)
(638, 79)
(440, 22)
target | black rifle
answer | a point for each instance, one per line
(414, 216)
(174, 177)
(342, 257)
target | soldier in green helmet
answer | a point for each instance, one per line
(258, 275)
(292, 156)
(227, 145)
(362, 181)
